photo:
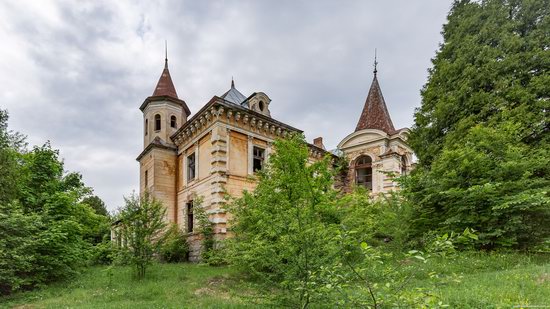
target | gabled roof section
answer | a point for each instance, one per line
(165, 86)
(375, 114)
(233, 95)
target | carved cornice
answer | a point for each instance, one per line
(219, 109)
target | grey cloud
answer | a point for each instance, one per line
(76, 72)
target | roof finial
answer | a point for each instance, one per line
(166, 53)
(375, 63)
(232, 82)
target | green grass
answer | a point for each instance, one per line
(479, 280)
(469, 280)
(166, 286)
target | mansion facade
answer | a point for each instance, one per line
(217, 150)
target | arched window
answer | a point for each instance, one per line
(403, 165)
(173, 122)
(261, 105)
(157, 122)
(363, 172)
(146, 126)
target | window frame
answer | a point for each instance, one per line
(260, 157)
(173, 122)
(158, 122)
(190, 216)
(190, 170)
(364, 165)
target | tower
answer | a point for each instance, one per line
(163, 114)
(377, 152)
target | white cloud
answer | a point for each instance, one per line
(76, 72)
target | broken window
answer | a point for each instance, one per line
(191, 167)
(258, 156)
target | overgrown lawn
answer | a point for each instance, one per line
(468, 280)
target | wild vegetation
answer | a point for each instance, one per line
(482, 132)
(470, 228)
(47, 230)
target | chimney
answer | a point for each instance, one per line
(319, 143)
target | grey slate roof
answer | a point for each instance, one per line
(233, 95)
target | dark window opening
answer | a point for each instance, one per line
(363, 172)
(191, 167)
(157, 122)
(403, 165)
(146, 176)
(173, 122)
(258, 158)
(190, 217)
(261, 105)
(146, 126)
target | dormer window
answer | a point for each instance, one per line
(157, 122)
(173, 122)
(261, 105)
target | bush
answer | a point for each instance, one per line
(175, 248)
(103, 253)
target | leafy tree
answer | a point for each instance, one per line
(45, 232)
(142, 226)
(96, 204)
(482, 132)
(10, 145)
(286, 229)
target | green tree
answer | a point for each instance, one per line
(482, 132)
(96, 204)
(286, 229)
(45, 232)
(142, 227)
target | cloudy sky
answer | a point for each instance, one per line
(75, 72)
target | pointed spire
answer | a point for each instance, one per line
(165, 54)
(375, 113)
(375, 63)
(165, 86)
(232, 82)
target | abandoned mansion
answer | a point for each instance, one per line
(218, 149)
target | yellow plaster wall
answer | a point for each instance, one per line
(238, 154)
(204, 157)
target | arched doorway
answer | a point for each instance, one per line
(363, 172)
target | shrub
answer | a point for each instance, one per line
(175, 248)
(104, 253)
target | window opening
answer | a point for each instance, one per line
(173, 122)
(363, 172)
(190, 217)
(157, 122)
(258, 158)
(191, 167)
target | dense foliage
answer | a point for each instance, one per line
(141, 225)
(297, 233)
(482, 133)
(174, 249)
(46, 232)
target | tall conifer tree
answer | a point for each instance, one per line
(482, 132)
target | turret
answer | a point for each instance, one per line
(163, 112)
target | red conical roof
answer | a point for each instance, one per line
(375, 113)
(165, 86)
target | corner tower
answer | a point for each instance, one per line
(377, 152)
(163, 114)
